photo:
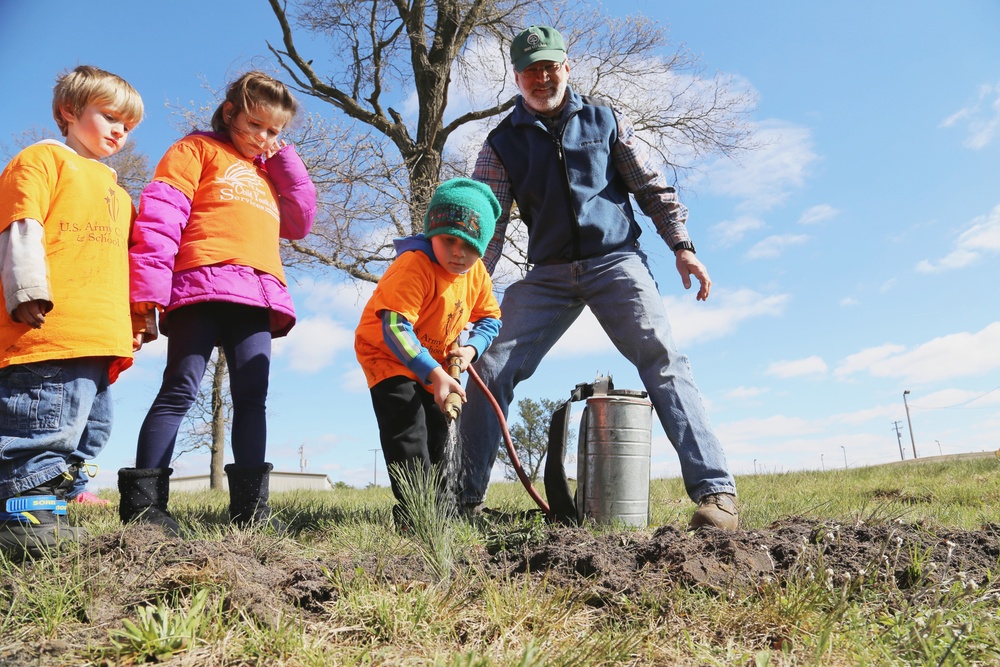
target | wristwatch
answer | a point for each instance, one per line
(683, 245)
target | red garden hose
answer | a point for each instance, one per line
(521, 475)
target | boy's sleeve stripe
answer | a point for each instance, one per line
(399, 336)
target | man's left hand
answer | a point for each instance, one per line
(689, 265)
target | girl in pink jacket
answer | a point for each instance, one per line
(205, 254)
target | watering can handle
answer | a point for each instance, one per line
(563, 506)
(453, 404)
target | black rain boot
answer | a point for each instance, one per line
(248, 496)
(145, 492)
(34, 522)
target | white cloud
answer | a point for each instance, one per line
(768, 428)
(848, 301)
(354, 380)
(765, 177)
(797, 368)
(347, 298)
(730, 232)
(947, 357)
(746, 392)
(981, 238)
(692, 322)
(981, 120)
(314, 343)
(817, 214)
(866, 358)
(773, 246)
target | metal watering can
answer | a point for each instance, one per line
(612, 457)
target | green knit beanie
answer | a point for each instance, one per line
(464, 208)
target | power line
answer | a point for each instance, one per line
(958, 405)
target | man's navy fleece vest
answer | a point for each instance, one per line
(569, 193)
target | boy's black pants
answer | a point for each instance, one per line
(412, 430)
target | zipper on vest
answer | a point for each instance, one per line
(575, 221)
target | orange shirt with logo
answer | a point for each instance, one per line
(437, 303)
(234, 207)
(86, 217)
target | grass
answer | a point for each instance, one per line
(380, 610)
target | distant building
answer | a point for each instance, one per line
(280, 481)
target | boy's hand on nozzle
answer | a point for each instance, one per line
(442, 385)
(31, 313)
(465, 356)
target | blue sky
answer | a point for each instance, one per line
(853, 257)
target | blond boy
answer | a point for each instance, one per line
(65, 330)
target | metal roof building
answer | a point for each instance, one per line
(280, 481)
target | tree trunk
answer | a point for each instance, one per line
(216, 475)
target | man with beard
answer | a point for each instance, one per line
(570, 163)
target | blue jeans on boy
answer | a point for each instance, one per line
(622, 294)
(51, 411)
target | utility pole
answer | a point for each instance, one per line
(303, 462)
(375, 467)
(899, 439)
(845, 456)
(909, 423)
(821, 463)
(940, 451)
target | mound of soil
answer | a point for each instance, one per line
(632, 564)
(269, 579)
(263, 582)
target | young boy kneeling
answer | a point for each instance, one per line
(435, 287)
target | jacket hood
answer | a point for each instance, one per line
(417, 242)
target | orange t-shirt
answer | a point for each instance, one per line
(234, 206)
(86, 217)
(437, 303)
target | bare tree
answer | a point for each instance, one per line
(209, 421)
(379, 161)
(24, 139)
(133, 169)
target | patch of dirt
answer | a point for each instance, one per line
(141, 563)
(633, 564)
(269, 580)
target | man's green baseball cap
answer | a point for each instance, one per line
(539, 42)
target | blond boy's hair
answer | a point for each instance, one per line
(86, 85)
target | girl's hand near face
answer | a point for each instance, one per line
(273, 146)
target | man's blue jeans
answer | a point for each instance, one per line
(536, 312)
(50, 411)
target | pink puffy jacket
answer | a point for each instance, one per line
(163, 214)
